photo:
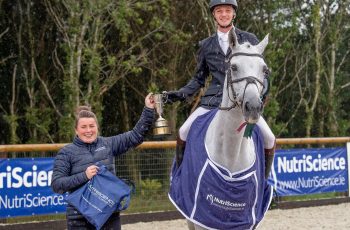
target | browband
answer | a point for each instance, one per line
(246, 54)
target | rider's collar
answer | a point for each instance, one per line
(220, 33)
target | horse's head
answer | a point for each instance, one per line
(246, 79)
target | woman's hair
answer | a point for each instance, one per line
(84, 112)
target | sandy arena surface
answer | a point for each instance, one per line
(335, 217)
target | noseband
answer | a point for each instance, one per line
(230, 81)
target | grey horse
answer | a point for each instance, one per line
(220, 184)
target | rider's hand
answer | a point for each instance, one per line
(173, 96)
(91, 171)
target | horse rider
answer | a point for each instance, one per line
(211, 59)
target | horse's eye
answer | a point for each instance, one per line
(266, 71)
(234, 67)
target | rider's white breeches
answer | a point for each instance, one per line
(269, 137)
(185, 128)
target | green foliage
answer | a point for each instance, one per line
(66, 131)
(150, 188)
(109, 54)
(41, 120)
(153, 88)
(12, 121)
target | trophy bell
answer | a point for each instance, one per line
(161, 126)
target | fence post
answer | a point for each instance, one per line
(348, 154)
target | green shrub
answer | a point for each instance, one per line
(150, 187)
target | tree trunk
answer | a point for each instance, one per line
(125, 108)
(12, 119)
(332, 122)
(316, 19)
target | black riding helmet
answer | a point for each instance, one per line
(214, 3)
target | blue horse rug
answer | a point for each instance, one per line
(209, 195)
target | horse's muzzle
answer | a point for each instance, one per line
(252, 111)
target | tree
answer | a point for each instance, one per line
(55, 55)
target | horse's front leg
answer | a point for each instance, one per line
(192, 226)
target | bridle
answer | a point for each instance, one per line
(249, 79)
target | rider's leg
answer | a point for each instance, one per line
(269, 143)
(190, 225)
(183, 132)
(269, 155)
(180, 149)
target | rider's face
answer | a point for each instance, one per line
(223, 14)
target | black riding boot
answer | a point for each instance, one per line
(269, 155)
(180, 150)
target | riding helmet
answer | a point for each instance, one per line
(214, 3)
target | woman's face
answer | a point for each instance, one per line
(223, 14)
(87, 129)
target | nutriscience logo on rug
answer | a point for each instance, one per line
(225, 204)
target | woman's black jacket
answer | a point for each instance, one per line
(73, 159)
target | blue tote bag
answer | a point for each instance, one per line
(104, 194)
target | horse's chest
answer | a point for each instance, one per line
(232, 155)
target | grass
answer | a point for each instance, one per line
(38, 218)
(312, 197)
(151, 204)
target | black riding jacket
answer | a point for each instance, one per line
(212, 60)
(73, 159)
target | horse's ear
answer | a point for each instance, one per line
(262, 45)
(232, 39)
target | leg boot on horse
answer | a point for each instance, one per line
(180, 150)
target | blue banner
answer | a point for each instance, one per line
(310, 171)
(25, 188)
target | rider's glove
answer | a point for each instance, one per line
(173, 96)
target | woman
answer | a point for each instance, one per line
(74, 164)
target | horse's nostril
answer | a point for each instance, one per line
(246, 106)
